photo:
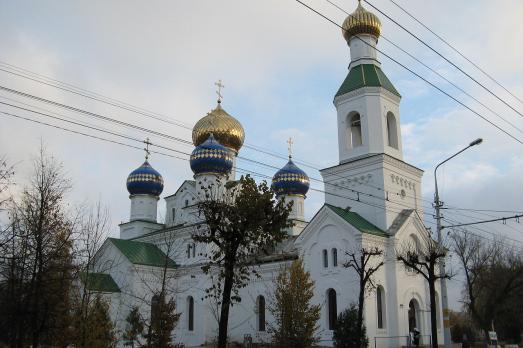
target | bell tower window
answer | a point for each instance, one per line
(392, 130)
(354, 138)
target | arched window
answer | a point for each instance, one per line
(325, 258)
(261, 313)
(332, 308)
(354, 137)
(413, 314)
(334, 253)
(392, 131)
(380, 302)
(190, 313)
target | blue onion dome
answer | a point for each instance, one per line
(211, 157)
(145, 180)
(290, 180)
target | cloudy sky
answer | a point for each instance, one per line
(281, 65)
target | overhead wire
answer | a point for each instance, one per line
(178, 123)
(456, 50)
(181, 158)
(417, 75)
(445, 58)
(185, 159)
(383, 37)
(105, 118)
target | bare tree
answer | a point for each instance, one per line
(424, 258)
(493, 276)
(366, 262)
(92, 229)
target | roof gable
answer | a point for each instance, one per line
(357, 221)
(141, 253)
(366, 75)
(99, 282)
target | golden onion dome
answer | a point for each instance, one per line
(225, 128)
(361, 21)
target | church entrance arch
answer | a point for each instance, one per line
(414, 320)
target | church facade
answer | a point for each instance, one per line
(372, 198)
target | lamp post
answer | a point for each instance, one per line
(437, 205)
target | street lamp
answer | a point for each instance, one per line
(437, 205)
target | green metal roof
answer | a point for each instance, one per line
(357, 221)
(366, 75)
(141, 253)
(99, 282)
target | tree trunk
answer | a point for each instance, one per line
(433, 319)
(361, 301)
(226, 301)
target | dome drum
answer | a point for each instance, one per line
(145, 180)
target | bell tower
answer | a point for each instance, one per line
(371, 171)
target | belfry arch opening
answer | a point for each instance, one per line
(392, 130)
(354, 136)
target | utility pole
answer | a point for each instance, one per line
(438, 204)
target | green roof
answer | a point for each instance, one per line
(141, 253)
(366, 75)
(99, 282)
(357, 221)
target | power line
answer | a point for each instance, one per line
(456, 50)
(495, 236)
(178, 123)
(109, 119)
(445, 58)
(516, 217)
(185, 159)
(435, 72)
(415, 74)
(105, 118)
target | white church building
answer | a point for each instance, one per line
(372, 198)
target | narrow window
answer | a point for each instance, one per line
(332, 308)
(380, 302)
(392, 131)
(190, 316)
(188, 251)
(261, 313)
(325, 258)
(173, 212)
(186, 202)
(334, 252)
(155, 307)
(355, 130)
(193, 250)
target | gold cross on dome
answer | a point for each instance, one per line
(290, 142)
(220, 85)
(147, 152)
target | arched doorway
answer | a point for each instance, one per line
(414, 321)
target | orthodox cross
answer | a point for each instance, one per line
(290, 142)
(220, 85)
(147, 152)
